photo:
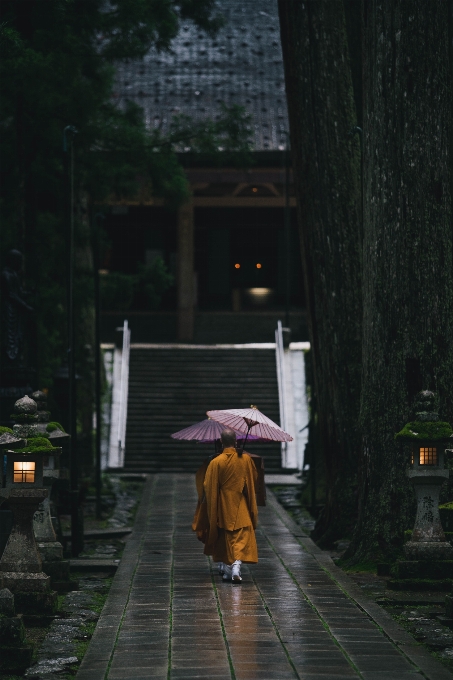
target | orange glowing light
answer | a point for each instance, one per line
(259, 266)
(255, 190)
(237, 266)
(428, 456)
(24, 471)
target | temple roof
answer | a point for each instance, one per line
(241, 65)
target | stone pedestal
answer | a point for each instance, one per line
(15, 653)
(428, 538)
(42, 523)
(51, 550)
(21, 565)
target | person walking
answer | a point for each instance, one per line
(231, 510)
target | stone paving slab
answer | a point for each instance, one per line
(295, 615)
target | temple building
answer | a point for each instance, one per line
(227, 246)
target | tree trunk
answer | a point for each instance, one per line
(407, 257)
(327, 178)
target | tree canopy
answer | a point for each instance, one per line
(57, 69)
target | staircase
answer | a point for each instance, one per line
(172, 387)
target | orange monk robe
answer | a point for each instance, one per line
(232, 512)
(200, 522)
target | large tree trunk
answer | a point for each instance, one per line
(407, 280)
(326, 163)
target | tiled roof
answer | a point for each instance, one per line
(241, 65)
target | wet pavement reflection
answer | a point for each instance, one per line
(287, 619)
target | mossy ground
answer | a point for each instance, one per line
(404, 615)
(360, 567)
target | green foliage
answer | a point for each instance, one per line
(446, 506)
(117, 290)
(4, 430)
(155, 280)
(230, 135)
(425, 430)
(57, 69)
(52, 426)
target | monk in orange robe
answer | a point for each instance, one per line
(231, 509)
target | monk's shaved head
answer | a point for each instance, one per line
(228, 437)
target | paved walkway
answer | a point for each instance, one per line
(295, 615)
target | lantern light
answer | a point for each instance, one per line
(428, 455)
(24, 472)
(428, 438)
(237, 266)
(259, 266)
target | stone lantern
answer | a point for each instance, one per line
(20, 565)
(428, 438)
(50, 548)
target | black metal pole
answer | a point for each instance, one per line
(97, 359)
(68, 148)
(287, 235)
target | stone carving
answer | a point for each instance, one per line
(25, 405)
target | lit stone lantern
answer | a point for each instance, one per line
(8, 441)
(20, 565)
(50, 549)
(428, 438)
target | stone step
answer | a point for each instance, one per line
(172, 388)
(94, 565)
(102, 533)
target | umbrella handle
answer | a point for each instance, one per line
(246, 437)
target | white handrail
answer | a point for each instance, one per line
(279, 358)
(124, 390)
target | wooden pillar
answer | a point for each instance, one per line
(185, 272)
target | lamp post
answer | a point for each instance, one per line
(68, 148)
(428, 438)
(97, 357)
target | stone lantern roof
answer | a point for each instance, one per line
(241, 65)
(426, 424)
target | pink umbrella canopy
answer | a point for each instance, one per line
(253, 421)
(206, 431)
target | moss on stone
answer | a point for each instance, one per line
(422, 584)
(425, 430)
(446, 506)
(51, 427)
(36, 445)
(24, 417)
(5, 430)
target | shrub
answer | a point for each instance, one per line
(155, 280)
(117, 290)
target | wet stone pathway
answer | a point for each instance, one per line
(295, 615)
